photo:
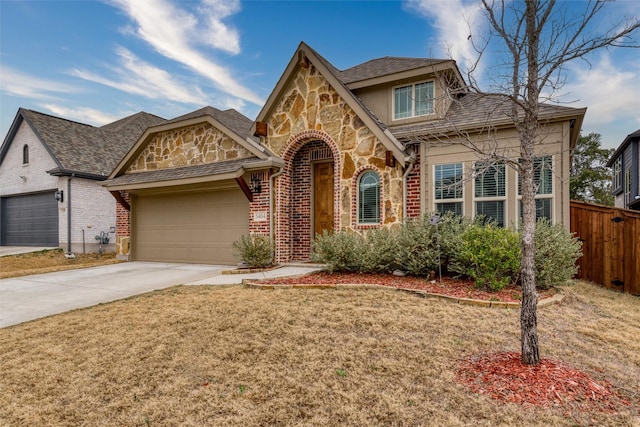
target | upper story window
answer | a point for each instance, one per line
(413, 100)
(369, 198)
(617, 174)
(25, 154)
(490, 191)
(448, 185)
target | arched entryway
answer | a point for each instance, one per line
(308, 194)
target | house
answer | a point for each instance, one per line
(361, 148)
(625, 162)
(50, 174)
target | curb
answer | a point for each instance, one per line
(249, 270)
(424, 294)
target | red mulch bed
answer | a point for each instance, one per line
(450, 286)
(502, 376)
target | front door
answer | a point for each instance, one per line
(322, 197)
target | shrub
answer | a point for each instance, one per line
(340, 250)
(490, 255)
(378, 251)
(556, 253)
(417, 250)
(254, 249)
(450, 231)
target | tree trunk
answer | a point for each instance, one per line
(528, 135)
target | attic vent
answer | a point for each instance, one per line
(320, 154)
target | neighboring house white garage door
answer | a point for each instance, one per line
(197, 227)
(30, 220)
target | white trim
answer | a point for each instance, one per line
(434, 201)
(413, 99)
(503, 199)
(551, 196)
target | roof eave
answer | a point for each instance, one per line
(241, 170)
(406, 74)
(76, 174)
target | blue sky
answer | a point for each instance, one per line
(98, 61)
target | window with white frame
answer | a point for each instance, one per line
(627, 187)
(490, 191)
(448, 188)
(543, 180)
(617, 174)
(369, 198)
(413, 100)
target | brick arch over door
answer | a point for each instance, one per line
(293, 233)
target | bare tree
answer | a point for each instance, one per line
(540, 38)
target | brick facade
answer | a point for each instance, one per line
(259, 215)
(414, 192)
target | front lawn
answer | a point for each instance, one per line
(48, 261)
(237, 356)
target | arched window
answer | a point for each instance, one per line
(25, 154)
(369, 198)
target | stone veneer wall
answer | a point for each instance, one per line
(191, 145)
(312, 110)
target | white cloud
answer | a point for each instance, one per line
(175, 33)
(138, 77)
(81, 114)
(608, 89)
(17, 83)
(455, 21)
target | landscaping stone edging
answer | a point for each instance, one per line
(554, 299)
(250, 270)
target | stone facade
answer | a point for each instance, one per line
(192, 145)
(310, 110)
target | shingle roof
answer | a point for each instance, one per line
(184, 172)
(85, 149)
(384, 66)
(234, 120)
(475, 110)
(634, 136)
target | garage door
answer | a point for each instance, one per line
(30, 220)
(193, 227)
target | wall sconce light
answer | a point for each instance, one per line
(256, 184)
(60, 196)
(23, 178)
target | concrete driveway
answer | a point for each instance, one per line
(32, 297)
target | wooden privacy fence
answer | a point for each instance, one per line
(610, 245)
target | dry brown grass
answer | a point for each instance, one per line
(48, 261)
(235, 356)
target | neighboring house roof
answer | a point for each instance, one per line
(473, 111)
(635, 136)
(230, 122)
(336, 80)
(78, 148)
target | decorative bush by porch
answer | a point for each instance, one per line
(255, 250)
(488, 254)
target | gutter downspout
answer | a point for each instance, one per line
(271, 221)
(69, 213)
(412, 161)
